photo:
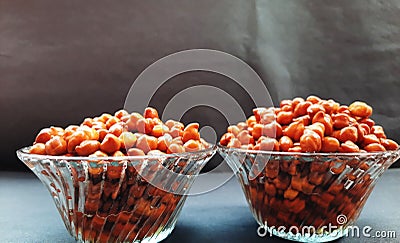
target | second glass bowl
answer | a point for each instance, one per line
(307, 197)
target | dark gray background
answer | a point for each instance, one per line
(63, 60)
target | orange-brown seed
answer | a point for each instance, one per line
(87, 147)
(38, 148)
(56, 146)
(110, 144)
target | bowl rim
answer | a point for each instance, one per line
(25, 152)
(307, 154)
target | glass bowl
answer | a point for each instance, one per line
(307, 197)
(118, 199)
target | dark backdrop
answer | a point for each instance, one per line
(63, 60)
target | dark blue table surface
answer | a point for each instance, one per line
(27, 213)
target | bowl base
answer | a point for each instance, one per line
(307, 237)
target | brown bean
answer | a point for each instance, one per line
(285, 143)
(257, 113)
(110, 144)
(348, 134)
(295, 149)
(245, 137)
(191, 132)
(176, 132)
(306, 120)
(341, 120)
(117, 129)
(226, 138)
(88, 122)
(164, 142)
(301, 108)
(87, 147)
(313, 99)
(268, 144)
(118, 154)
(155, 152)
(284, 117)
(360, 109)
(159, 130)
(294, 130)
(317, 127)
(135, 152)
(147, 143)
(290, 194)
(102, 134)
(56, 146)
(75, 139)
(98, 153)
(343, 109)
(145, 125)
(378, 131)
(192, 145)
(287, 108)
(297, 100)
(235, 129)
(99, 125)
(170, 123)
(256, 132)
(389, 144)
(273, 130)
(329, 145)
(348, 147)
(268, 117)
(374, 147)
(105, 117)
(234, 143)
(251, 121)
(128, 140)
(370, 138)
(44, 135)
(132, 121)
(314, 109)
(242, 125)
(121, 113)
(310, 141)
(336, 134)
(324, 119)
(330, 106)
(38, 148)
(177, 140)
(368, 121)
(150, 112)
(111, 121)
(285, 102)
(90, 132)
(175, 149)
(362, 129)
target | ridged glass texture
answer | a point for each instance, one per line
(118, 199)
(307, 190)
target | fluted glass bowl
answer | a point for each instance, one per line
(118, 199)
(307, 197)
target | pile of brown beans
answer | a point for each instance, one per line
(120, 203)
(120, 134)
(310, 125)
(307, 190)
